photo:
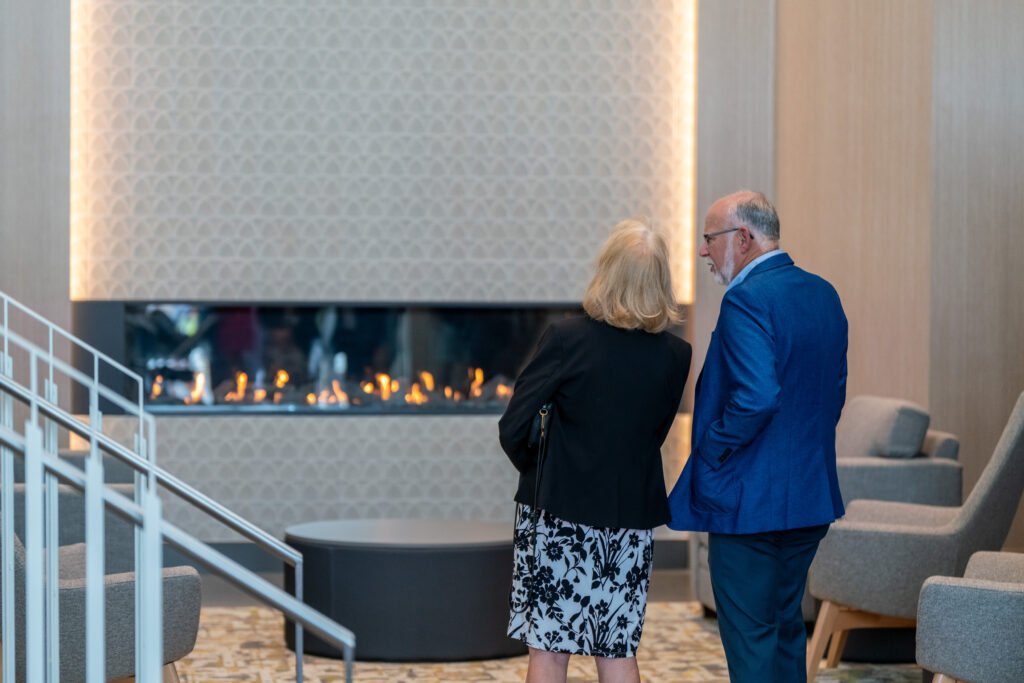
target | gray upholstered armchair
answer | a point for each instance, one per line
(181, 594)
(884, 451)
(972, 629)
(870, 568)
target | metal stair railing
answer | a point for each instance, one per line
(42, 470)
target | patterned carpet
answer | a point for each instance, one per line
(247, 644)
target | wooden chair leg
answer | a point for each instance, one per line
(823, 627)
(943, 678)
(171, 673)
(835, 621)
(835, 649)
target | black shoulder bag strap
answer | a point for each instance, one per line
(544, 418)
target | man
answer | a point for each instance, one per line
(762, 475)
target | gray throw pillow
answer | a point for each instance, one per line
(886, 427)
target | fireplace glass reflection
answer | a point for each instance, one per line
(331, 358)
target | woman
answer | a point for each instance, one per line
(615, 378)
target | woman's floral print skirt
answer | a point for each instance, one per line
(583, 590)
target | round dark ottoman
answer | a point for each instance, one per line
(410, 589)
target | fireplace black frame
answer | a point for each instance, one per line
(103, 323)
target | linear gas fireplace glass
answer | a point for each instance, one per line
(331, 358)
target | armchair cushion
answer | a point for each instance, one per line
(877, 426)
(879, 554)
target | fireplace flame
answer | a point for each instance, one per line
(503, 390)
(428, 380)
(340, 395)
(197, 389)
(311, 399)
(281, 379)
(385, 386)
(447, 392)
(415, 396)
(258, 395)
(241, 380)
(368, 388)
(158, 386)
(478, 379)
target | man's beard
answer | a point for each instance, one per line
(724, 276)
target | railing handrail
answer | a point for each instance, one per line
(144, 512)
(72, 372)
(52, 327)
(326, 628)
(262, 538)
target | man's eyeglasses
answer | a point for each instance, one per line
(709, 236)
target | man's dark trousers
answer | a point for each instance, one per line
(758, 582)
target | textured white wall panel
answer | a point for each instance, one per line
(455, 150)
(279, 471)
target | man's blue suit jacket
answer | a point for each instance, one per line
(767, 402)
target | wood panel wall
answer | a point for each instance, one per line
(900, 175)
(977, 305)
(34, 154)
(853, 174)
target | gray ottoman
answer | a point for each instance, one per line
(410, 589)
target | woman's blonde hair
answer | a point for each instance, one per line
(632, 284)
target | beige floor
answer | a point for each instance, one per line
(239, 641)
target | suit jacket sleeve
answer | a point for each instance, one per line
(535, 386)
(842, 381)
(748, 348)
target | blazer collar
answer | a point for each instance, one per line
(774, 262)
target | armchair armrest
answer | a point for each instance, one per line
(929, 481)
(996, 566)
(971, 629)
(938, 444)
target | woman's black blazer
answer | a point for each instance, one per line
(615, 394)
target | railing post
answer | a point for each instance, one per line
(35, 634)
(149, 580)
(52, 534)
(52, 540)
(95, 617)
(141, 486)
(298, 626)
(7, 632)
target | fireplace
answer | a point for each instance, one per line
(335, 358)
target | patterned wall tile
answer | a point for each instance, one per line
(279, 471)
(394, 150)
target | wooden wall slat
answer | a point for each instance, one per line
(34, 164)
(977, 314)
(735, 129)
(853, 174)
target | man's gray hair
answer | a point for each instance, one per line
(758, 214)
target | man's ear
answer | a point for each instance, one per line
(746, 239)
